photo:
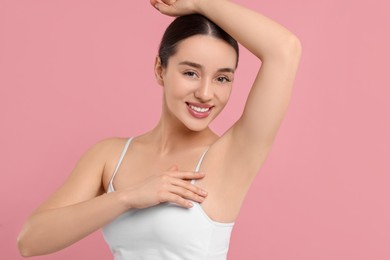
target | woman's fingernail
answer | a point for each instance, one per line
(204, 192)
(190, 204)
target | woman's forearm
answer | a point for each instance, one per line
(53, 229)
(262, 36)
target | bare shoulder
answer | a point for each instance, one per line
(108, 143)
(85, 180)
(111, 148)
(108, 146)
(99, 155)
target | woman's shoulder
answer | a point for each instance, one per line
(100, 152)
(104, 150)
(109, 144)
(109, 150)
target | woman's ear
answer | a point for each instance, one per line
(158, 71)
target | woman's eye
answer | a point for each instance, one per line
(223, 79)
(190, 74)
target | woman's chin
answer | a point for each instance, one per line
(197, 126)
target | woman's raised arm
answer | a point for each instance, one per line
(279, 51)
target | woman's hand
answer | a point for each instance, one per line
(170, 186)
(176, 7)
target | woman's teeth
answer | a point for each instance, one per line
(199, 109)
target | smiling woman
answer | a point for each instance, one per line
(199, 75)
(147, 206)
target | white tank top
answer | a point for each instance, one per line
(166, 231)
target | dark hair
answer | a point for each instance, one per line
(186, 26)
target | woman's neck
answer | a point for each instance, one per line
(170, 138)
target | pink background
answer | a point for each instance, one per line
(75, 72)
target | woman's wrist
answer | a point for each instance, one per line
(202, 5)
(123, 198)
(198, 6)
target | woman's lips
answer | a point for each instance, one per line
(199, 110)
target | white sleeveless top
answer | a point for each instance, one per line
(166, 231)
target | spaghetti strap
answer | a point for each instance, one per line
(199, 163)
(110, 185)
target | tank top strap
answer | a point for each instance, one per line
(199, 163)
(110, 185)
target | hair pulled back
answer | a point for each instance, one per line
(186, 26)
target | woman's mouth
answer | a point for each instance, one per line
(199, 110)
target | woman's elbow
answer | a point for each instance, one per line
(22, 246)
(293, 46)
(25, 243)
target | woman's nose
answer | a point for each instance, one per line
(205, 91)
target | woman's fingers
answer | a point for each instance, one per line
(154, 2)
(187, 194)
(171, 197)
(189, 186)
(170, 186)
(175, 7)
(164, 2)
(177, 185)
(186, 175)
(168, 2)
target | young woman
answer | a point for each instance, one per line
(145, 202)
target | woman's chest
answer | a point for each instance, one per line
(135, 168)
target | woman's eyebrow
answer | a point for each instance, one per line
(191, 64)
(198, 66)
(230, 70)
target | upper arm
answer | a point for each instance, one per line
(85, 180)
(252, 136)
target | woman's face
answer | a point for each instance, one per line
(198, 80)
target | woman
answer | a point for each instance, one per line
(145, 202)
